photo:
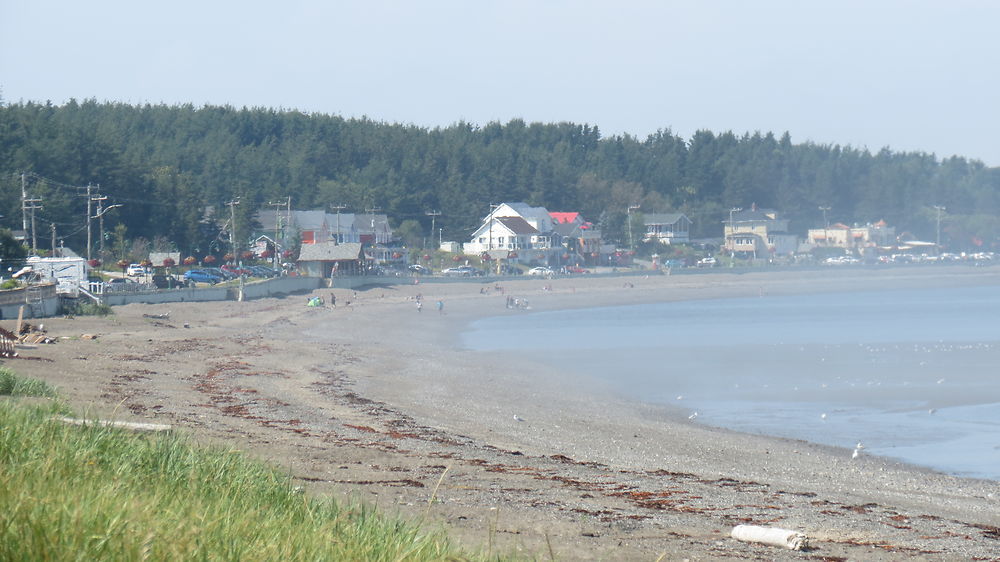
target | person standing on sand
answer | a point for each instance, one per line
(333, 300)
(420, 306)
(440, 305)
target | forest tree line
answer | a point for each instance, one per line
(165, 164)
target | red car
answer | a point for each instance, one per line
(575, 269)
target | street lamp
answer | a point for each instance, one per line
(826, 225)
(732, 241)
(631, 245)
(100, 215)
(938, 242)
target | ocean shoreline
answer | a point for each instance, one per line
(376, 400)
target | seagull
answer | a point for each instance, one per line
(932, 410)
(857, 453)
(823, 416)
(518, 418)
(693, 416)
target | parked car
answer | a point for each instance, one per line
(220, 273)
(417, 268)
(462, 271)
(162, 281)
(541, 270)
(135, 270)
(708, 262)
(575, 269)
(264, 271)
(199, 276)
(236, 270)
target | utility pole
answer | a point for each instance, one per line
(99, 199)
(938, 242)
(232, 224)
(493, 208)
(277, 225)
(631, 245)
(31, 206)
(433, 215)
(372, 212)
(100, 228)
(826, 225)
(24, 205)
(89, 241)
(338, 208)
(53, 225)
(732, 231)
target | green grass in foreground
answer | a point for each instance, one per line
(13, 385)
(71, 493)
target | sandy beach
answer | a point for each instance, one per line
(374, 399)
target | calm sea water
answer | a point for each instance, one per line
(912, 374)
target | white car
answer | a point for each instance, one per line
(541, 271)
(708, 262)
(135, 270)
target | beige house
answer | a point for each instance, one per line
(759, 233)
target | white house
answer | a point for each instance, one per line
(501, 233)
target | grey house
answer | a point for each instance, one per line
(328, 259)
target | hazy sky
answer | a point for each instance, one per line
(910, 75)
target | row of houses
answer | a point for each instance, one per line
(522, 233)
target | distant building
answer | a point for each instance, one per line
(667, 228)
(280, 228)
(534, 235)
(842, 236)
(329, 259)
(759, 233)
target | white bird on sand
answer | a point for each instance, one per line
(693, 416)
(857, 453)
(823, 416)
(518, 418)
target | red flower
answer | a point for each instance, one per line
(190, 260)
(209, 259)
(169, 262)
(94, 263)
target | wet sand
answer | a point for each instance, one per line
(376, 400)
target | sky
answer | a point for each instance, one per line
(910, 75)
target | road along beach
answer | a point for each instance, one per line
(375, 400)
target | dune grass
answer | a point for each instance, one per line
(90, 493)
(14, 385)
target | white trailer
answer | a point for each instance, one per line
(68, 273)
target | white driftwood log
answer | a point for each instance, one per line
(784, 538)
(134, 426)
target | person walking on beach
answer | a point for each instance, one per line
(440, 305)
(420, 306)
(333, 300)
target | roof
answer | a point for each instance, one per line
(526, 210)
(755, 215)
(663, 218)
(365, 222)
(304, 220)
(330, 251)
(563, 218)
(517, 225)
